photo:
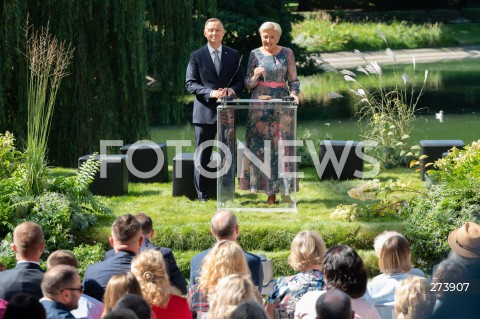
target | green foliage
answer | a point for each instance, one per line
(10, 157)
(452, 199)
(87, 255)
(326, 36)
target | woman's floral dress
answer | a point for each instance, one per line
(269, 124)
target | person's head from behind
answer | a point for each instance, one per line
(225, 258)
(117, 287)
(381, 238)
(28, 241)
(334, 304)
(249, 310)
(126, 234)
(62, 284)
(135, 303)
(61, 257)
(229, 293)
(413, 299)
(121, 314)
(448, 271)
(395, 255)
(306, 251)
(146, 224)
(224, 225)
(150, 271)
(344, 270)
(24, 306)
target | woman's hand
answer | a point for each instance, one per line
(295, 98)
(257, 72)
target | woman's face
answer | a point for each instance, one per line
(270, 39)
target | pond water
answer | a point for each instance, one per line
(453, 87)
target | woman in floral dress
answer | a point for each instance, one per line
(271, 72)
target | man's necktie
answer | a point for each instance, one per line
(216, 61)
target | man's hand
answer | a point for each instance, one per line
(217, 94)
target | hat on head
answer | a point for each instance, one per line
(465, 241)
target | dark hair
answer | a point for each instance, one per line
(24, 306)
(145, 221)
(121, 314)
(249, 310)
(125, 228)
(135, 303)
(334, 304)
(343, 269)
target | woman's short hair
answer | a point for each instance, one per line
(449, 271)
(225, 258)
(395, 255)
(413, 299)
(229, 293)
(249, 310)
(271, 26)
(306, 249)
(344, 270)
(117, 287)
(150, 271)
(381, 238)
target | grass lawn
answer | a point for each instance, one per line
(183, 225)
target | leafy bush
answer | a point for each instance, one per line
(87, 255)
(453, 198)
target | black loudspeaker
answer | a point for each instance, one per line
(184, 185)
(116, 181)
(144, 159)
(434, 150)
(331, 150)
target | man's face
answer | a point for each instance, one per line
(76, 292)
(214, 33)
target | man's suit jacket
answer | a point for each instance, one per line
(26, 277)
(174, 274)
(202, 78)
(97, 275)
(254, 263)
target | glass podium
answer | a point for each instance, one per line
(257, 153)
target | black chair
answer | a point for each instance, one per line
(434, 150)
(144, 158)
(183, 180)
(336, 149)
(115, 182)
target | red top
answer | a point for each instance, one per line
(177, 308)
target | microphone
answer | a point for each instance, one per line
(229, 98)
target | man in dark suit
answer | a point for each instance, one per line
(174, 274)
(224, 226)
(27, 275)
(126, 239)
(208, 73)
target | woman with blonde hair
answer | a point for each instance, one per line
(118, 286)
(413, 299)
(165, 300)
(306, 256)
(231, 291)
(225, 258)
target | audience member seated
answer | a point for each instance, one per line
(344, 270)
(334, 304)
(395, 265)
(231, 291)
(121, 314)
(224, 226)
(306, 255)
(225, 258)
(126, 239)
(150, 270)
(24, 306)
(413, 299)
(118, 286)
(448, 271)
(174, 273)
(88, 307)
(27, 275)
(465, 247)
(249, 310)
(135, 303)
(61, 289)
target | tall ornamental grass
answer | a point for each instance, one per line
(48, 60)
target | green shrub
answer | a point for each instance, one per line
(453, 198)
(87, 255)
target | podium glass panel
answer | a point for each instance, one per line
(255, 140)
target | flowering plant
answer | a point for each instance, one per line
(385, 114)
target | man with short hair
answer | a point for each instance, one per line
(88, 307)
(62, 289)
(174, 273)
(334, 304)
(126, 239)
(27, 275)
(224, 226)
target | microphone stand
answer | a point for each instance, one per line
(228, 97)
